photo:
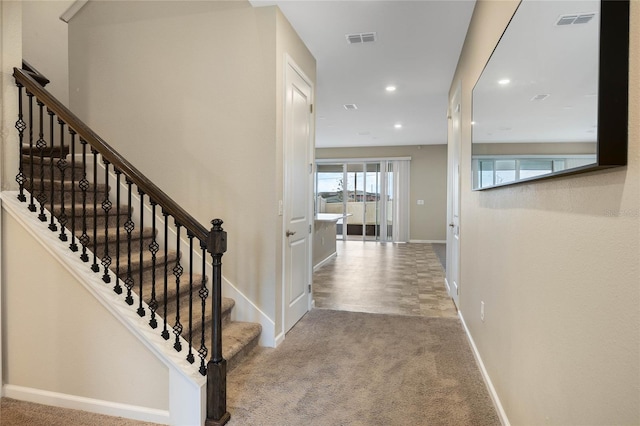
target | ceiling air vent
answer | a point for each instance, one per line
(540, 97)
(361, 38)
(350, 107)
(582, 18)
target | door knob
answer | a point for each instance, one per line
(289, 233)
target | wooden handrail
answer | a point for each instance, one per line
(33, 72)
(26, 79)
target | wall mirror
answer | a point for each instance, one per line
(552, 99)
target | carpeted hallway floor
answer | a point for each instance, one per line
(352, 368)
(347, 368)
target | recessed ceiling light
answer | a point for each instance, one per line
(398, 126)
(504, 81)
(390, 88)
(473, 122)
(350, 107)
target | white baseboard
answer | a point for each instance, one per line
(86, 404)
(246, 310)
(279, 340)
(323, 262)
(502, 415)
(428, 241)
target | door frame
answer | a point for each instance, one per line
(453, 154)
(290, 63)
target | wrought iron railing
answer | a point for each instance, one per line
(79, 190)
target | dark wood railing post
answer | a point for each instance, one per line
(217, 366)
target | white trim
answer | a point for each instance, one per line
(92, 405)
(72, 10)
(246, 310)
(279, 339)
(326, 260)
(191, 381)
(428, 241)
(290, 62)
(532, 156)
(359, 160)
(502, 415)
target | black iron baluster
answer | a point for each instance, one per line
(62, 166)
(84, 186)
(177, 272)
(141, 311)
(20, 126)
(106, 206)
(41, 144)
(217, 365)
(128, 226)
(95, 267)
(190, 356)
(165, 331)
(32, 206)
(52, 225)
(153, 248)
(117, 288)
(73, 246)
(203, 293)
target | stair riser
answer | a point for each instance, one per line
(57, 173)
(135, 246)
(42, 177)
(57, 197)
(55, 152)
(197, 311)
(242, 354)
(147, 272)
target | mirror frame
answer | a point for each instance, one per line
(613, 93)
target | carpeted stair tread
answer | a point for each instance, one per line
(147, 288)
(238, 339)
(113, 232)
(147, 261)
(57, 186)
(42, 167)
(55, 152)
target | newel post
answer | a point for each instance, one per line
(217, 366)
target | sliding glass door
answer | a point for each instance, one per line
(362, 191)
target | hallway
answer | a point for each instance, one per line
(404, 279)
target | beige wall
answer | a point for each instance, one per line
(190, 93)
(534, 148)
(10, 57)
(428, 182)
(557, 265)
(59, 338)
(45, 43)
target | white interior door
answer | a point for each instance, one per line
(297, 201)
(453, 234)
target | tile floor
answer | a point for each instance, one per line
(405, 279)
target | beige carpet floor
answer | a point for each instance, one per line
(20, 413)
(351, 368)
(337, 368)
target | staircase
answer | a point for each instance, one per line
(238, 338)
(152, 267)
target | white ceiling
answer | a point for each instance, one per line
(417, 49)
(541, 58)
